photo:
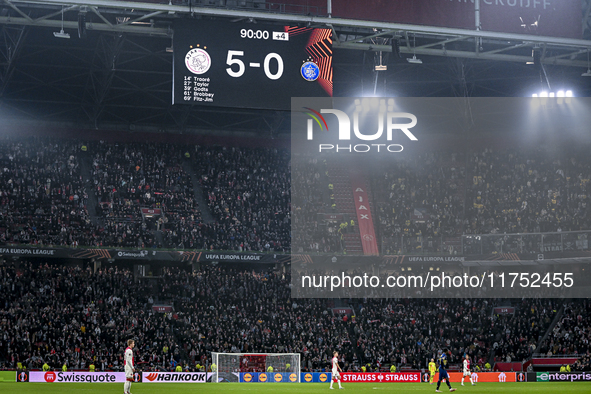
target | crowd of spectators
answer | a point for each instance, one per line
(420, 201)
(312, 234)
(42, 196)
(525, 191)
(428, 197)
(243, 311)
(65, 314)
(248, 193)
(132, 177)
(68, 315)
(411, 332)
(421, 197)
(572, 334)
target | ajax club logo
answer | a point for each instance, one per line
(310, 71)
(197, 61)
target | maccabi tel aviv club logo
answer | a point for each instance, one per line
(376, 112)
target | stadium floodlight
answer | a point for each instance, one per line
(414, 60)
(284, 367)
(569, 93)
(61, 33)
(588, 73)
(560, 93)
(544, 94)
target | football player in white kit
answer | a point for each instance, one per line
(129, 366)
(335, 370)
(466, 370)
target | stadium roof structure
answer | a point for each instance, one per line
(118, 73)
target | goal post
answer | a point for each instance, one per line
(228, 367)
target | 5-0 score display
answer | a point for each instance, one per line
(225, 64)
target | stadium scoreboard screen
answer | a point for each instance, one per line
(249, 65)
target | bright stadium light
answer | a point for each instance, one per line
(559, 94)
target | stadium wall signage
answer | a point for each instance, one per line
(73, 377)
(269, 377)
(143, 254)
(487, 377)
(174, 377)
(266, 258)
(315, 377)
(563, 377)
(377, 377)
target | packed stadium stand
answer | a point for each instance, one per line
(434, 198)
(43, 197)
(59, 314)
(143, 195)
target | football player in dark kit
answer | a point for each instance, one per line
(442, 361)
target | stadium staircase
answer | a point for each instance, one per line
(92, 201)
(339, 176)
(206, 214)
(551, 327)
(159, 237)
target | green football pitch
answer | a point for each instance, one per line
(264, 388)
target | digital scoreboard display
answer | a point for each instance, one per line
(249, 65)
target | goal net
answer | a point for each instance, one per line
(278, 367)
